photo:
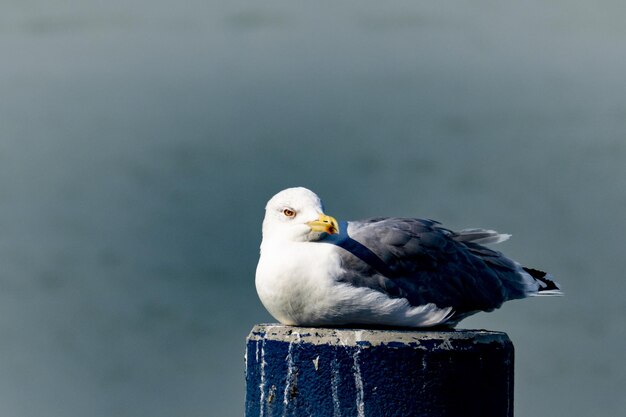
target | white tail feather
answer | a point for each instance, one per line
(551, 293)
(481, 236)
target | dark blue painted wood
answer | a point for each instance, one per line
(292, 371)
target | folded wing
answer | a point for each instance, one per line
(425, 263)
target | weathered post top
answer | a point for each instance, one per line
(299, 371)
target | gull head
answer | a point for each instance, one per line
(297, 215)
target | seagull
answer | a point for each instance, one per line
(386, 271)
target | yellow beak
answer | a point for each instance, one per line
(324, 223)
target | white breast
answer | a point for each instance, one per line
(293, 280)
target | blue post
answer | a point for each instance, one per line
(297, 371)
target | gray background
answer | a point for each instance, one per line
(140, 140)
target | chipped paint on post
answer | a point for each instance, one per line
(363, 372)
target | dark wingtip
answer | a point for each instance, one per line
(545, 280)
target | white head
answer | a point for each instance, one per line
(296, 215)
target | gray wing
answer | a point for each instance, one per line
(425, 263)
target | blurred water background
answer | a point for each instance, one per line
(140, 140)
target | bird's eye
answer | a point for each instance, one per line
(289, 212)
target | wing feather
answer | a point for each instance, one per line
(425, 263)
